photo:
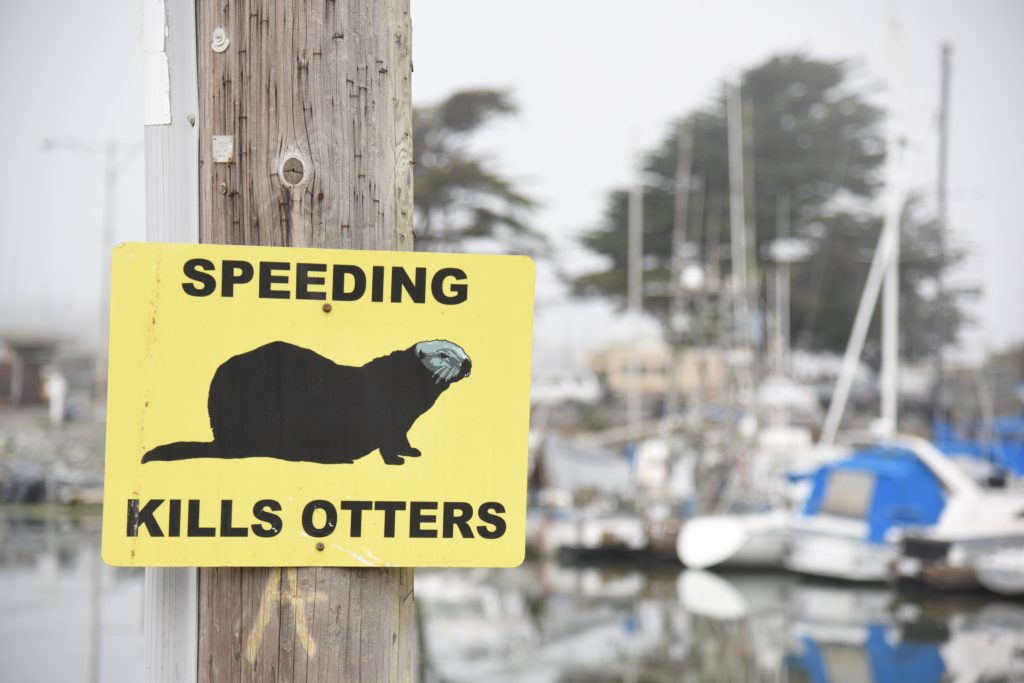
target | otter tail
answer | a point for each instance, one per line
(183, 450)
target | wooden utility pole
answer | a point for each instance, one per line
(305, 139)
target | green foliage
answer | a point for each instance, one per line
(816, 152)
(831, 283)
(458, 195)
(812, 138)
(920, 302)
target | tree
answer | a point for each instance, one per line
(459, 197)
(816, 150)
(823, 305)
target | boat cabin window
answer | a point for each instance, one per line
(848, 493)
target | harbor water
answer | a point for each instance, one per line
(66, 616)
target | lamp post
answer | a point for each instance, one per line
(112, 163)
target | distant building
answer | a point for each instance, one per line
(28, 362)
(560, 386)
(613, 367)
(23, 360)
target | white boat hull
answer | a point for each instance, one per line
(1001, 571)
(752, 540)
(839, 557)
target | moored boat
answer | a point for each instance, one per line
(899, 508)
(739, 540)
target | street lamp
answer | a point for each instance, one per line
(113, 160)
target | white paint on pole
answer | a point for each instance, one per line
(156, 71)
(172, 215)
(172, 148)
(171, 624)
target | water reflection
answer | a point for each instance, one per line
(66, 616)
(543, 622)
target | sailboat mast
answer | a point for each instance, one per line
(679, 226)
(891, 317)
(737, 205)
(884, 267)
(634, 296)
(942, 219)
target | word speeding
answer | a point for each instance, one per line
(318, 281)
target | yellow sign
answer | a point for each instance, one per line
(295, 407)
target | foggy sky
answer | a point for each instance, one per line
(594, 82)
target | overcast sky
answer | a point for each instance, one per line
(594, 82)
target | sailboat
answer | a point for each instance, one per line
(759, 536)
(755, 531)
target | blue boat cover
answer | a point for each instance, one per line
(884, 661)
(906, 493)
(1001, 443)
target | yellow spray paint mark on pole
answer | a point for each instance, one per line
(272, 598)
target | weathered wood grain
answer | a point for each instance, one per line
(316, 97)
(324, 82)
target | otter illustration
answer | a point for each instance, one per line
(284, 401)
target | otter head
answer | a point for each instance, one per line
(446, 362)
